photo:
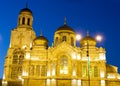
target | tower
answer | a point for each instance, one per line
(20, 43)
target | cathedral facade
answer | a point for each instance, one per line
(31, 62)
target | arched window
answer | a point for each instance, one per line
(63, 65)
(28, 22)
(21, 58)
(15, 59)
(38, 70)
(72, 41)
(84, 71)
(64, 38)
(56, 41)
(23, 20)
(95, 71)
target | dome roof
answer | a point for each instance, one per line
(65, 27)
(89, 40)
(26, 10)
(41, 40)
(111, 69)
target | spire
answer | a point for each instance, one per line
(26, 3)
(88, 33)
(40, 32)
(65, 20)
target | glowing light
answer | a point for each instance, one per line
(102, 56)
(99, 38)
(27, 55)
(118, 77)
(4, 83)
(74, 82)
(73, 56)
(30, 45)
(48, 82)
(102, 75)
(3, 76)
(78, 37)
(10, 45)
(79, 82)
(24, 73)
(24, 46)
(111, 76)
(19, 77)
(53, 72)
(53, 82)
(78, 57)
(102, 82)
(48, 73)
(34, 58)
(74, 73)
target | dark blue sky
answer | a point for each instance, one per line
(97, 16)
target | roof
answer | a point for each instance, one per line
(65, 27)
(41, 38)
(26, 10)
(111, 69)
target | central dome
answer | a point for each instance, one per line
(65, 28)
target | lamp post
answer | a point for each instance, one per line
(88, 60)
(98, 38)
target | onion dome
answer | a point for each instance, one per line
(25, 10)
(41, 40)
(65, 28)
(88, 40)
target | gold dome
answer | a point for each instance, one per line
(111, 69)
(88, 40)
(41, 40)
(65, 28)
(25, 10)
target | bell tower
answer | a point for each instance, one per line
(24, 26)
(25, 18)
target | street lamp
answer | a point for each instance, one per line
(87, 38)
(98, 38)
(78, 37)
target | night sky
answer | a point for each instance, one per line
(97, 16)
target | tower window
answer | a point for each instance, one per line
(64, 38)
(23, 20)
(28, 23)
(56, 41)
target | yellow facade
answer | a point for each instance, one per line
(31, 62)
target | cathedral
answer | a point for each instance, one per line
(31, 62)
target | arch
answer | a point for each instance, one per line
(64, 38)
(72, 41)
(15, 59)
(63, 64)
(18, 56)
(56, 41)
(23, 20)
(28, 21)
